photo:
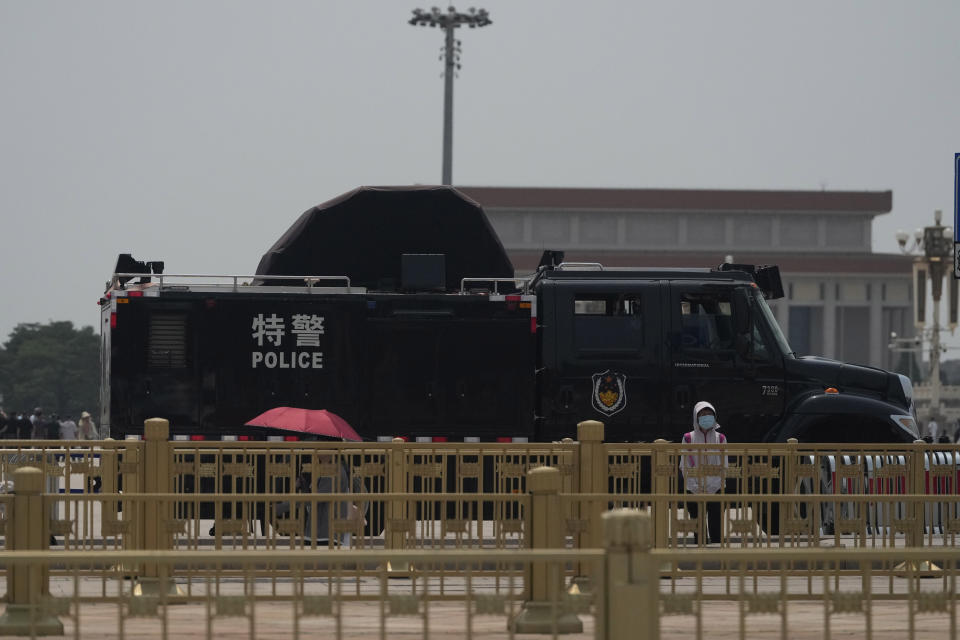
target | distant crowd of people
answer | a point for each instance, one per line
(38, 426)
(934, 434)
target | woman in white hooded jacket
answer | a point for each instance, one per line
(705, 431)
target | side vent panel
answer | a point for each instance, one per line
(167, 341)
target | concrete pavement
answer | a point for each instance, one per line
(363, 620)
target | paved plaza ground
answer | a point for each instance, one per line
(362, 620)
(447, 621)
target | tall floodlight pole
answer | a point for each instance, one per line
(451, 62)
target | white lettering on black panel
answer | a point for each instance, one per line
(268, 331)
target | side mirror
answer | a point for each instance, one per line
(768, 279)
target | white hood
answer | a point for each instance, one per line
(697, 408)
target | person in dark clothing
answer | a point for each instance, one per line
(24, 426)
(4, 425)
(52, 428)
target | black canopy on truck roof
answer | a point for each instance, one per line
(363, 233)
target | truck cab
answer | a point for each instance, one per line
(636, 349)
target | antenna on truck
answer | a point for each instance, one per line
(550, 259)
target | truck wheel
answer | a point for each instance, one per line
(827, 510)
(767, 514)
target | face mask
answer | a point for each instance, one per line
(707, 422)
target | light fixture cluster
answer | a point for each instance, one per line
(451, 18)
(931, 241)
(450, 54)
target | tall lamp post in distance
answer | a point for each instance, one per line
(449, 21)
(933, 250)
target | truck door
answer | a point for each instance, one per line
(601, 351)
(742, 377)
(404, 396)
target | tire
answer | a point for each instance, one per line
(767, 514)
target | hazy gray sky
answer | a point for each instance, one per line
(196, 131)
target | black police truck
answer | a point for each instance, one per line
(398, 309)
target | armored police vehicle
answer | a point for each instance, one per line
(398, 309)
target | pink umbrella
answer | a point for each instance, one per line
(315, 421)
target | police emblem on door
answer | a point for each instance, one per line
(609, 392)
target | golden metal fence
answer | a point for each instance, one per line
(291, 594)
(634, 472)
(474, 494)
(636, 590)
(103, 521)
(812, 537)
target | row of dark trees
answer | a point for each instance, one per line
(54, 366)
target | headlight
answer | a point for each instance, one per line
(907, 422)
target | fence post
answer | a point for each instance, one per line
(915, 524)
(632, 604)
(918, 485)
(662, 471)
(544, 610)
(396, 521)
(154, 515)
(788, 485)
(28, 530)
(592, 465)
(118, 471)
(131, 473)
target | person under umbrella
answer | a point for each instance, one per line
(317, 424)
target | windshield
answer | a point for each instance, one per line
(772, 325)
